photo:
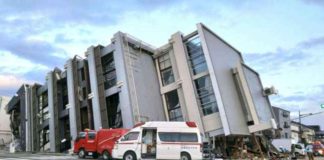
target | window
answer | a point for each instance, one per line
(84, 118)
(130, 136)
(114, 111)
(206, 95)
(173, 105)
(196, 55)
(65, 95)
(81, 135)
(286, 135)
(91, 135)
(166, 69)
(82, 74)
(178, 137)
(109, 70)
(188, 137)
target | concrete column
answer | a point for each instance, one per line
(128, 116)
(52, 136)
(187, 83)
(27, 118)
(71, 96)
(94, 88)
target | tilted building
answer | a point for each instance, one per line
(196, 77)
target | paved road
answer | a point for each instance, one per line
(49, 156)
(30, 156)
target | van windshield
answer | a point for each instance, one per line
(178, 137)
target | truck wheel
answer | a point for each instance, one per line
(106, 155)
(81, 153)
(95, 155)
(129, 156)
(185, 156)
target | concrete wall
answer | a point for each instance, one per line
(145, 85)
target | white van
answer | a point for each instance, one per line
(160, 140)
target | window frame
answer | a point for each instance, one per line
(165, 57)
(174, 108)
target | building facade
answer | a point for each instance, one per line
(306, 134)
(283, 123)
(196, 77)
(204, 79)
(5, 133)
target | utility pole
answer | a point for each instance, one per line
(300, 131)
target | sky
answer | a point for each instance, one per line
(282, 40)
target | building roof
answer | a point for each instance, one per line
(274, 107)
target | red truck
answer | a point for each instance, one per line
(94, 143)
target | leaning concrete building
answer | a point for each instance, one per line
(196, 77)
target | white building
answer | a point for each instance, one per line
(5, 132)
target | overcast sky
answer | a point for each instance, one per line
(282, 40)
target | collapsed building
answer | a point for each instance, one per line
(196, 77)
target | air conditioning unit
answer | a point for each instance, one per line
(270, 91)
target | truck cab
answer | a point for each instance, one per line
(86, 144)
(94, 143)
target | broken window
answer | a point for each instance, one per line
(166, 69)
(84, 118)
(206, 95)
(114, 112)
(173, 105)
(109, 70)
(196, 55)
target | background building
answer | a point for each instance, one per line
(283, 122)
(5, 133)
(196, 77)
(306, 134)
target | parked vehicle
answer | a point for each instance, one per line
(160, 140)
(298, 150)
(94, 143)
(286, 145)
(282, 145)
(318, 148)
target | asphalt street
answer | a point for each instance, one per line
(53, 156)
(31, 156)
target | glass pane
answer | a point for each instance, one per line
(196, 56)
(167, 76)
(173, 105)
(108, 69)
(188, 137)
(206, 95)
(131, 136)
(202, 67)
(169, 137)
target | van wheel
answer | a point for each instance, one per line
(185, 156)
(81, 153)
(297, 155)
(106, 155)
(129, 156)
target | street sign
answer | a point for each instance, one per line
(322, 106)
